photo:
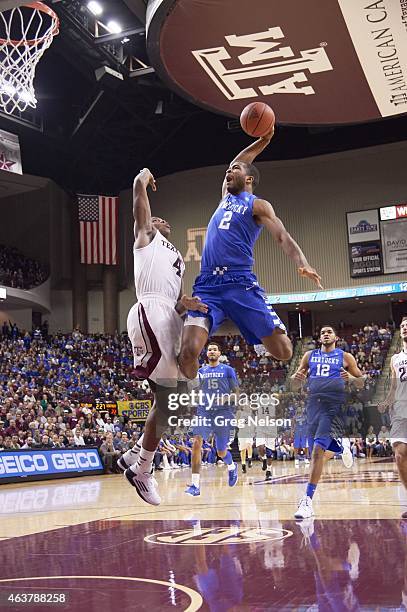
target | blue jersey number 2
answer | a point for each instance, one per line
(226, 219)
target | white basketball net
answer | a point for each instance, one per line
(26, 32)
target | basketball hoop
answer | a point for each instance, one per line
(26, 32)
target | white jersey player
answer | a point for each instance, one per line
(154, 326)
(399, 371)
(153, 323)
(245, 434)
(396, 402)
(266, 436)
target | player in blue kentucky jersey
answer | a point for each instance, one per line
(215, 414)
(226, 283)
(328, 369)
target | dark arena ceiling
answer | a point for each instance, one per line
(93, 131)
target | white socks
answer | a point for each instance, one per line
(136, 448)
(195, 480)
(144, 462)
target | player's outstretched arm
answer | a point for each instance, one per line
(300, 376)
(265, 215)
(249, 154)
(389, 400)
(143, 227)
(351, 372)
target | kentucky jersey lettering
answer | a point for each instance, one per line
(232, 233)
(325, 372)
(215, 381)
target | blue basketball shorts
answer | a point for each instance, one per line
(325, 422)
(300, 438)
(217, 422)
(238, 297)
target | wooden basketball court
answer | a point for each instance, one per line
(95, 542)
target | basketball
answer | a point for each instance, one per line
(257, 119)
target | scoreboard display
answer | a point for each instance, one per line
(377, 241)
(110, 407)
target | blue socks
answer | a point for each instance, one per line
(228, 458)
(311, 490)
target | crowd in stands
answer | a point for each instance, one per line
(69, 368)
(19, 271)
(50, 385)
(46, 382)
(255, 368)
(374, 444)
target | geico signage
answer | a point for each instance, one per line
(38, 498)
(50, 462)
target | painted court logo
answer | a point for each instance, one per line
(265, 59)
(211, 536)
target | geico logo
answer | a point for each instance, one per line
(85, 493)
(29, 499)
(36, 498)
(48, 497)
(69, 461)
(75, 494)
(15, 464)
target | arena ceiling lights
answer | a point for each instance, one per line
(95, 8)
(112, 26)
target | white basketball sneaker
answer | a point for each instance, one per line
(307, 528)
(305, 509)
(166, 463)
(347, 457)
(145, 485)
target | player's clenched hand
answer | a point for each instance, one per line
(148, 177)
(345, 375)
(311, 274)
(194, 303)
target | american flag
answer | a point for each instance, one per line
(98, 229)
